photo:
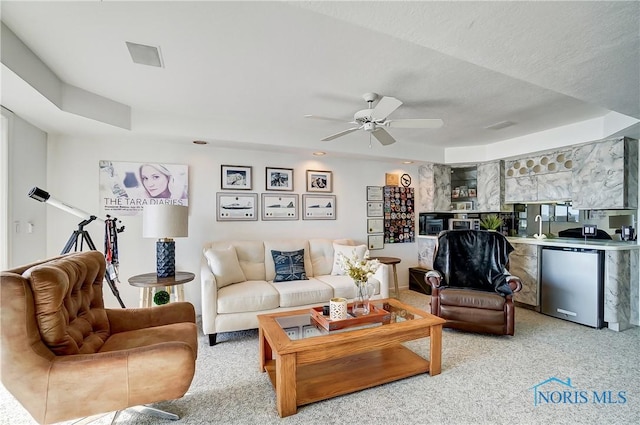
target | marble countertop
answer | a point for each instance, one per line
(567, 242)
(577, 243)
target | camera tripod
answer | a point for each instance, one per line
(77, 240)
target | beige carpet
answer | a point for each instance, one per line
(484, 380)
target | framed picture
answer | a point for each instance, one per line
(279, 178)
(319, 207)
(319, 181)
(464, 206)
(374, 193)
(391, 179)
(279, 206)
(375, 241)
(375, 225)
(236, 206)
(374, 209)
(236, 177)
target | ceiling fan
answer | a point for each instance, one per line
(374, 120)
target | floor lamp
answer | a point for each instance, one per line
(165, 222)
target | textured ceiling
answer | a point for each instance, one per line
(245, 73)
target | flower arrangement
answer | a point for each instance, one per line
(360, 270)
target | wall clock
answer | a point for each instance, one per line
(405, 179)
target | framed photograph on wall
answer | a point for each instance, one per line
(374, 193)
(235, 177)
(126, 187)
(279, 179)
(319, 181)
(236, 206)
(375, 241)
(279, 206)
(391, 179)
(375, 209)
(319, 207)
(375, 225)
(464, 206)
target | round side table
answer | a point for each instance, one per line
(392, 261)
(149, 281)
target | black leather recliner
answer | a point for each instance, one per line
(470, 285)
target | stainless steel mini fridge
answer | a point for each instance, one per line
(571, 284)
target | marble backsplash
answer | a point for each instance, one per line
(434, 187)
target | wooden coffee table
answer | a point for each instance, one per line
(306, 364)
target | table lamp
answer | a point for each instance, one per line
(165, 222)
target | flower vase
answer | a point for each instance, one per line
(364, 291)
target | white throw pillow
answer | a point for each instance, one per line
(347, 250)
(225, 266)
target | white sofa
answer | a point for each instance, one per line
(238, 280)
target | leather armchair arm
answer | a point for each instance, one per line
(129, 319)
(433, 278)
(514, 283)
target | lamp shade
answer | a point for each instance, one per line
(165, 221)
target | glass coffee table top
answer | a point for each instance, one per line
(300, 326)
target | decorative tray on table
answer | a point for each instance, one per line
(376, 315)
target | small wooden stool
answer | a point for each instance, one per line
(392, 261)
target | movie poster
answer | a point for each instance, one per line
(125, 187)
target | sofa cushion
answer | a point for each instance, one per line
(471, 298)
(343, 286)
(303, 292)
(289, 265)
(251, 258)
(252, 295)
(225, 266)
(348, 251)
(285, 245)
(175, 332)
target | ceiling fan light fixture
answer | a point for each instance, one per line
(369, 126)
(145, 55)
(373, 120)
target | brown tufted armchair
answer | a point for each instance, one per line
(65, 356)
(470, 286)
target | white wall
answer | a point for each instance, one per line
(26, 150)
(73, 178)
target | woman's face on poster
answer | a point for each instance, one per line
(154, 181)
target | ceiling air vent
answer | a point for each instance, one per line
(500, 125)
(145, 55)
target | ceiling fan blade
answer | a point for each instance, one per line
(318, 117)
(415, 123)
(385, 107)
(342, 133)
(383, 137)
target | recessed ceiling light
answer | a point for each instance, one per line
(144, 55)
(407, 162)
(319, 153)
(200, 142)
(500, 125)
